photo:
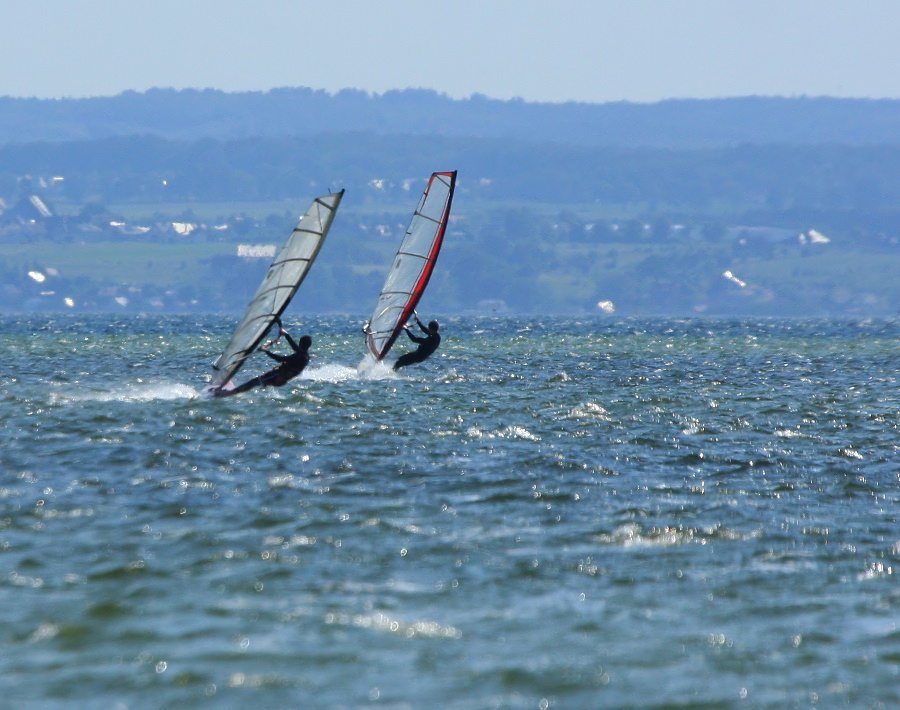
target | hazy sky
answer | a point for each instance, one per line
(537, 50)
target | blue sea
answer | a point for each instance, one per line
(548, 513)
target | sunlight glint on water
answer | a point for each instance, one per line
(575, 513)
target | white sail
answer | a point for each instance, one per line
(278, 287)
(413, 264)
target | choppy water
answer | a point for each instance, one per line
(575, 514)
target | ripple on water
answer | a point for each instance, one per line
(547, 512)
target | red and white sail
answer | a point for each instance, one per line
(413, 264)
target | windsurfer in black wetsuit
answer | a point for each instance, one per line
(427, 345)
(291, 366)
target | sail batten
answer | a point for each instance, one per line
(278, 287)
(412, 265)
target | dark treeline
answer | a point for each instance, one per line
(193, 114)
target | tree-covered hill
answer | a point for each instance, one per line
(743, 206)
(776, 183)
(195, 114)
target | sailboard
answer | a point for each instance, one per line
(412, 265)
(281, 282)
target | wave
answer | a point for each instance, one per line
(131, 392)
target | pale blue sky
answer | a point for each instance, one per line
(538, 50)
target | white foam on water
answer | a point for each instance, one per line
(330, 372)
(132, 392)
(371, 369)
(367, 369)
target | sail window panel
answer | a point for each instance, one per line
(436, 203)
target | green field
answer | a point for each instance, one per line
(116, 262)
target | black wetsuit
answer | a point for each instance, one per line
(427, 346)
(291, 366)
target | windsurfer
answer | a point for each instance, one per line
(290, 365)
(427, 344)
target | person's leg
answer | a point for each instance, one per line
(265, 380)
(408, 359)
(248, 385)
